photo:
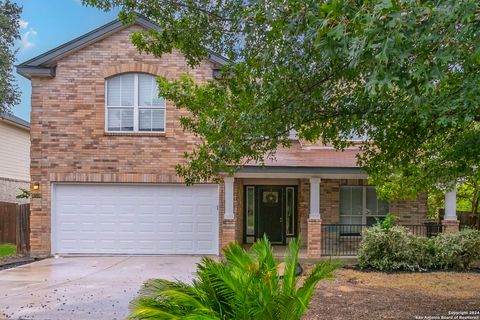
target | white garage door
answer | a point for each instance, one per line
(135, 219)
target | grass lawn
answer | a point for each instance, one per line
(7, 249)
(376, 295)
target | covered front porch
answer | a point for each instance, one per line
(327, 207)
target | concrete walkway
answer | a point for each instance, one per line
(84, 287)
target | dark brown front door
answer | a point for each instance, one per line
(271, 214)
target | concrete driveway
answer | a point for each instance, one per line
(84, 287)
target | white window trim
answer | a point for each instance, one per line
(364, 205)
(135, 107)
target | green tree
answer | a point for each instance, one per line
(9, 26)
(248, 285)
(403, 72)
(435, 201)
(24, 194)
(468, 196)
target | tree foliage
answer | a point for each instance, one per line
(9, 26)
(246, 286)
(468, 196)
(403, 72)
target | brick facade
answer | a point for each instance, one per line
(69, 143)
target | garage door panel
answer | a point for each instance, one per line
(135, 219)
(87, 244)
(166, 246)
(185, 228)
(185, 210)
(184, 246)
(68, 243)
(165, 227)
(205, 228)
(204, 245)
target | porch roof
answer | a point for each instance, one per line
(311, 157)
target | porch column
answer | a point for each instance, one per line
(450, 220)
(314, 198)
(314, 223)
(227, 235)
(228, 197)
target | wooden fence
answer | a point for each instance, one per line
(466, 218)
(15, 225)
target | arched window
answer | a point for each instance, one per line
(133, 104)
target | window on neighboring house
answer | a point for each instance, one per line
(133, 104)
(360, 205)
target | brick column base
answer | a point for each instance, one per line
(314, 238)
(228, 232)
(451, 226)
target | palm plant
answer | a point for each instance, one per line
(247, 285)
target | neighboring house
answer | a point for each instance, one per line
(14, 157)
(104, 150)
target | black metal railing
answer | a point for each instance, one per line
(425, 230)
(344, 239)
(341, 239)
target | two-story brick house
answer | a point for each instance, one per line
(104, 149)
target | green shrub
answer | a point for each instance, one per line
(248, 285)
(396, 248)
(457, 250)
(388, 222)
(423, 253)
(388, 249)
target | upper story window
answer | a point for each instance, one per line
(133, 104)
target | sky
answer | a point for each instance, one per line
(46, 24)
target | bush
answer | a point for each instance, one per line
(424, 251)
(388, 222)
(396, 248)
(248, 285)
(388, 249)
(457, 250)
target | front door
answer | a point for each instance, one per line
(270, 207)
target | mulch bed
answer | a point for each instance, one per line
(375, 295)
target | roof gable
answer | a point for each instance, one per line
(44, 65)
